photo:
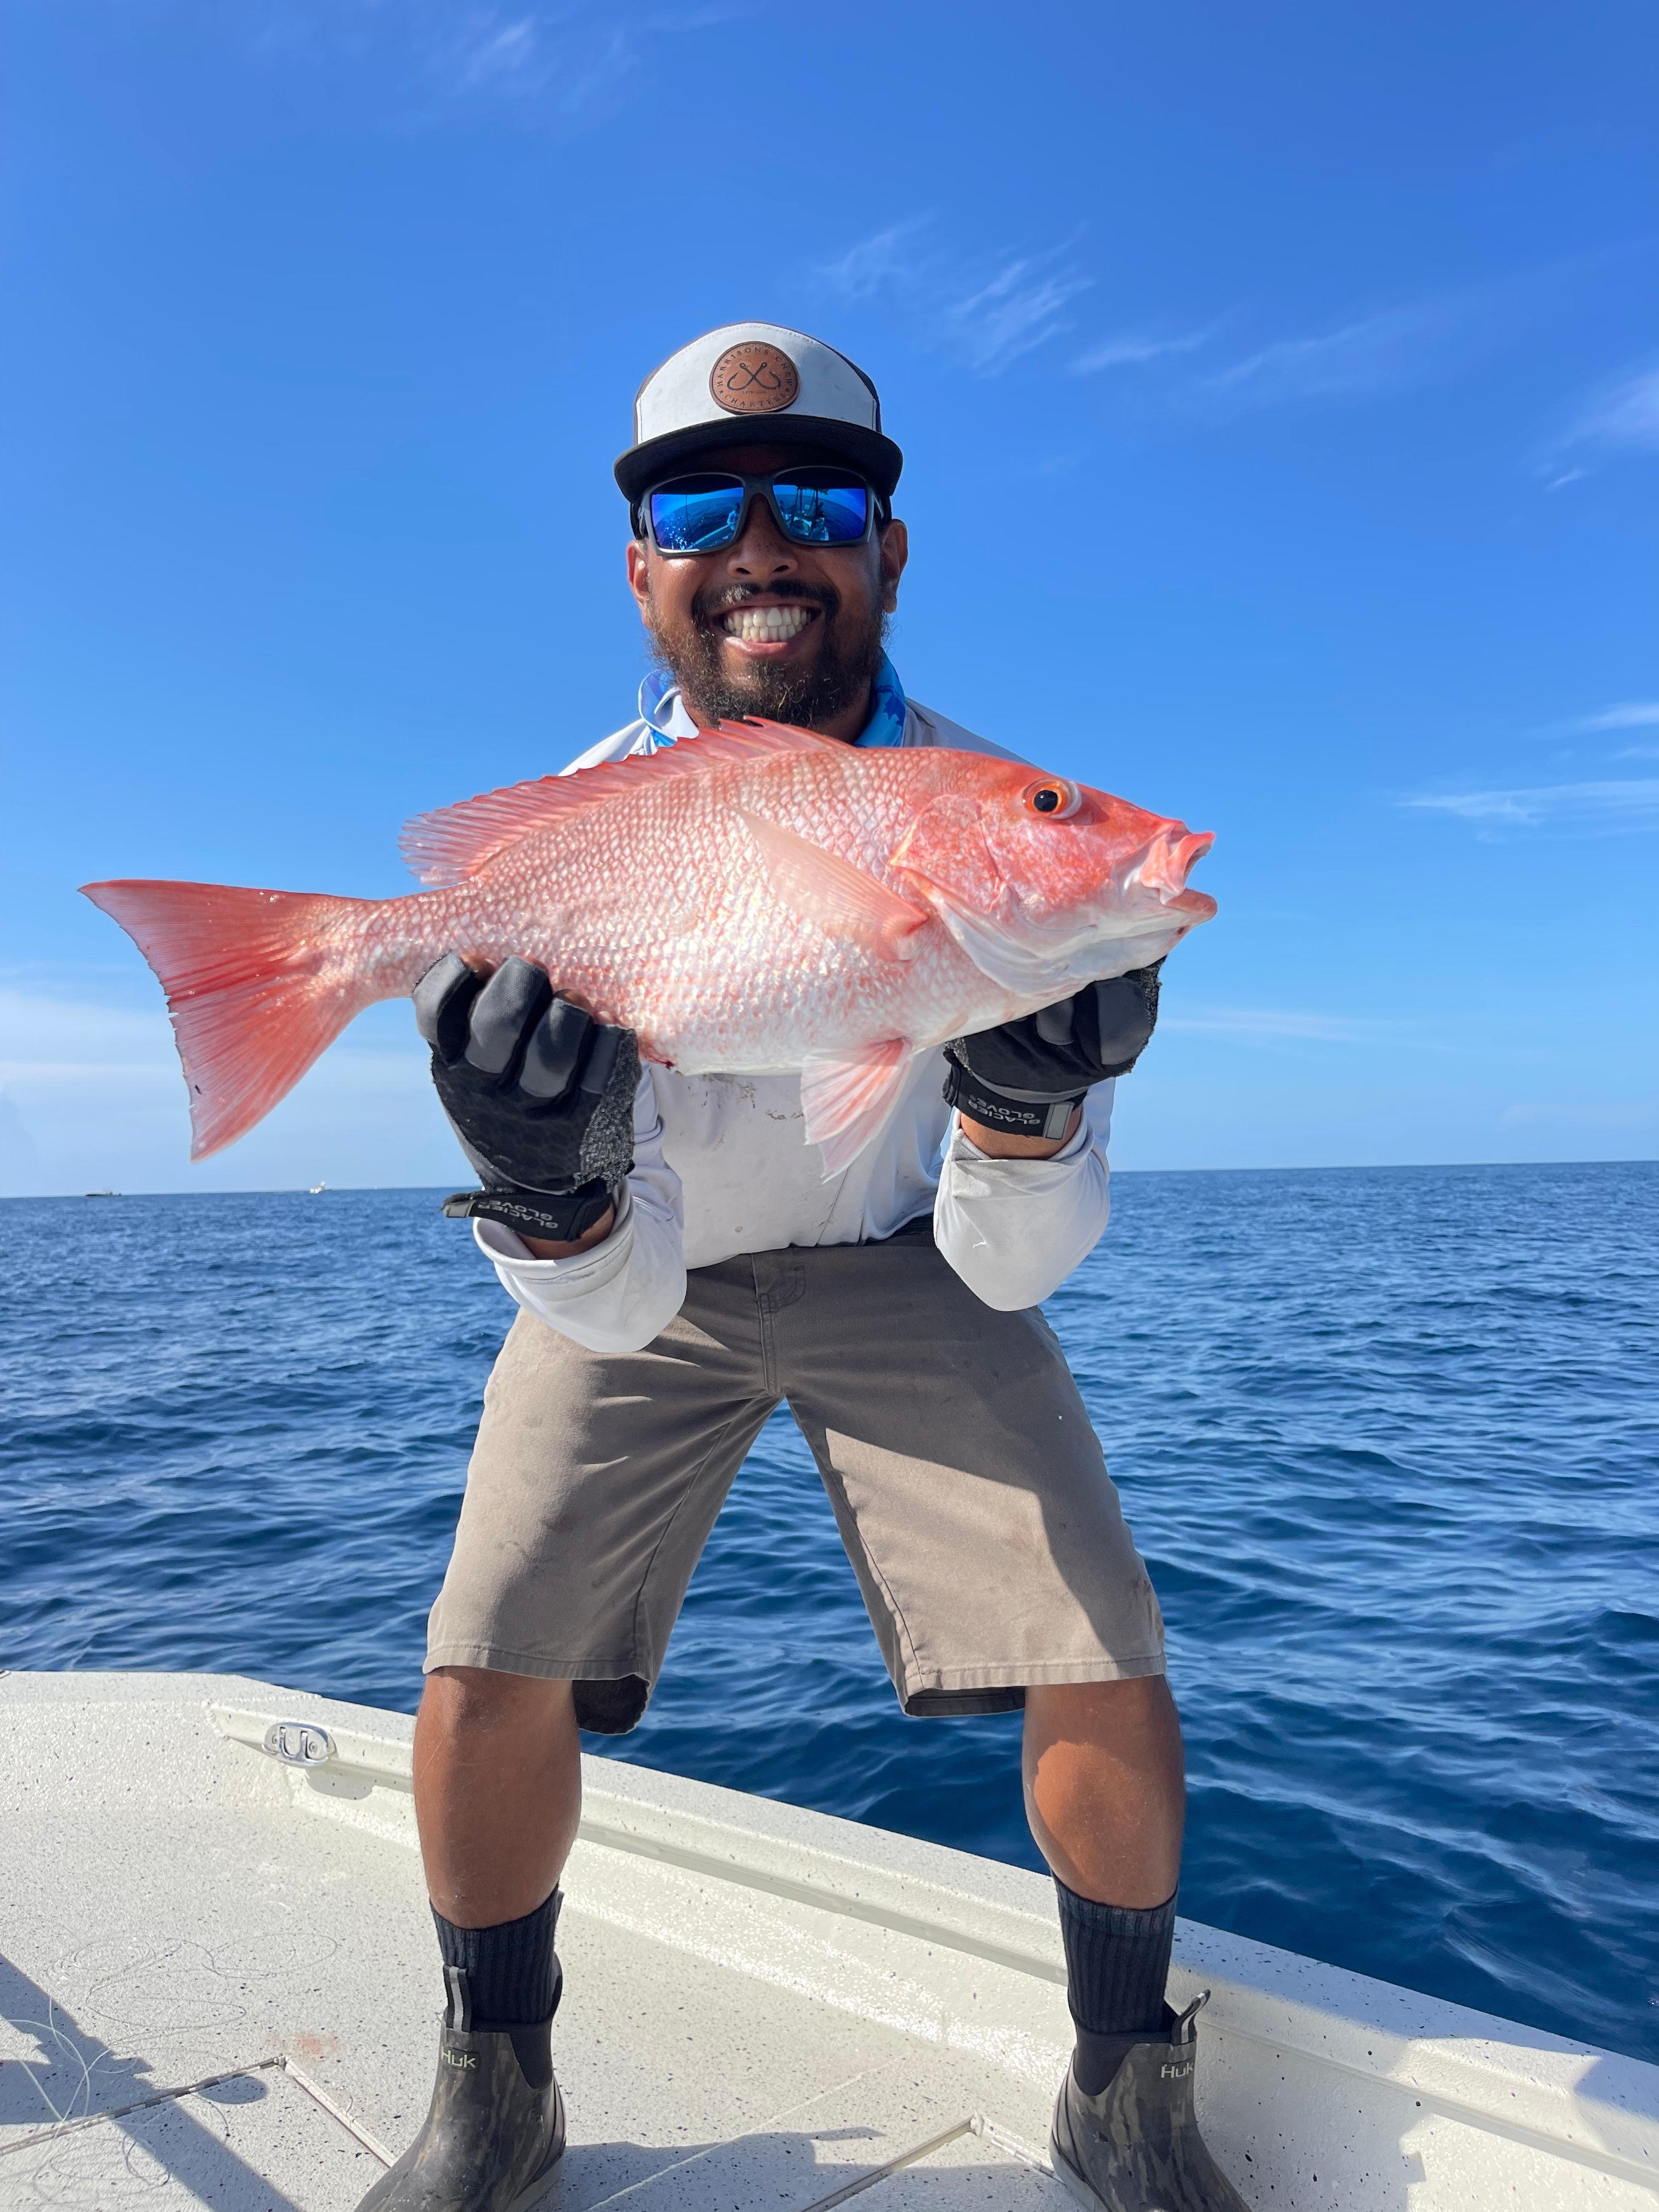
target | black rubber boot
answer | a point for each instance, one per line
(494, 2132)
(1136, 2148)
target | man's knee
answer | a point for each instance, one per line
(481, 1699)
(1134, 1715)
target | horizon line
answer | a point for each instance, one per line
(359, 1189)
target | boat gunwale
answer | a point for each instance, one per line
(1557, 2096)
(1454, 2064)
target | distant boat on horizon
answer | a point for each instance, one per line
(103, 1194)
(317, 1188)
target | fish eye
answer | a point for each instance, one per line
(1055, 799)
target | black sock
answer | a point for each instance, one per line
(511, 1975)
(1117, 1961)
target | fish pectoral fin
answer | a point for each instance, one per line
(848, 1097)
(840, 898)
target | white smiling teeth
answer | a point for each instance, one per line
(766, 625)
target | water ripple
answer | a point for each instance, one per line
(1386, 1437)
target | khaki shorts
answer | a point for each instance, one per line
(970, 1488)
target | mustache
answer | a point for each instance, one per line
(709, 605)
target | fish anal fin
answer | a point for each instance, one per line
(453, 843)
(841, 899)
(848, 1098)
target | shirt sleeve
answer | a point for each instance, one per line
(625, 1292)
(1014, 1230)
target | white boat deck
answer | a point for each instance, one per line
(219, 1986)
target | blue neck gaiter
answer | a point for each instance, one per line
(660, 707)
(886, 723)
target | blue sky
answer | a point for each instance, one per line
(1280, 393)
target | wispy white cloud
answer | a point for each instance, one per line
(1271, 1024)
(1400, 348)
(1394, 350)
(988, 310)
(1625, 415)
(56, 1029)
(1631, 804)
(1587, 1114)
(1132, 349)
(1020, 308)
(559, 60)
(884, 257)
(1633, 715)
(569, 60)
(91, 1096)
(501, 52)
(1615, 419)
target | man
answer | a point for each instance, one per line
(682, 1267)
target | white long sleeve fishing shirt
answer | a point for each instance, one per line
(721, 1164)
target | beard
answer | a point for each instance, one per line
(836, 679)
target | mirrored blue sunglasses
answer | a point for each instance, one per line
(705, 514)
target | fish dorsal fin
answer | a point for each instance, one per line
(453, 843)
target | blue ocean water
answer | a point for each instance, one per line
(1388, 1439)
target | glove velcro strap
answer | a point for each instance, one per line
(1032, 1115)
(561, 1217)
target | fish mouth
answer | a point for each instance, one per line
(1135, 912)
(1168, 860)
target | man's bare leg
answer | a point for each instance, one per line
(498, 1789)
(1105, 1796)
(498, 1792)
(1105, 1792)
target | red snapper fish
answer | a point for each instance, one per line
(756, 900)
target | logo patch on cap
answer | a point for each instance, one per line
(753, 378)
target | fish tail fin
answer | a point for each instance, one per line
(259, 984)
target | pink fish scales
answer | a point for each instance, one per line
(756, 900)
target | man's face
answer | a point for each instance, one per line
(813, 665)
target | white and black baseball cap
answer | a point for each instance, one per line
(752, 383)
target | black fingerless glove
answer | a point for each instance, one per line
(540, 1095)
(1026, 1077)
